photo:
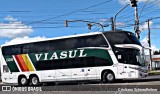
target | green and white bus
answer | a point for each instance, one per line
(104, 56)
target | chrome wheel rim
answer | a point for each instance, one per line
(34, 80)
(23, 81)
(110, 77)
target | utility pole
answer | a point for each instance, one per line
(149, 42)
(112, 23)
(136, 28)
(137, 31)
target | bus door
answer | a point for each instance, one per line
(126, 58)
(120, 70)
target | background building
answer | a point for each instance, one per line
(156, 61)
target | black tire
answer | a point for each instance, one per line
(34, 81)
(22, 81)
(108, 77)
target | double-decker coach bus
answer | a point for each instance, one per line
(104, 56)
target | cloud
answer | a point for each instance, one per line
(120, 23)
(14, 28)
(124, 1)
(24, 40)
(145, 44)
(103, 21)
(145, 26)
(10, 18)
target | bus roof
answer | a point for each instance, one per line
(55, 38)
(63, 37)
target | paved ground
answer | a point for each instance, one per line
(152, 82)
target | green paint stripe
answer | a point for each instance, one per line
(11, 64)
(100, 53)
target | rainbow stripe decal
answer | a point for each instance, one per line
(24, 62)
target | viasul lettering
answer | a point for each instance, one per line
(60, 55)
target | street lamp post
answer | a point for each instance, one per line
(88, 23)
(114, 23)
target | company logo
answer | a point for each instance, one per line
(9, 60)
(12, 88)
(60, 55)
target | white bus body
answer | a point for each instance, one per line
(43, 61)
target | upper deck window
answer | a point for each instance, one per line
(121, 38)
(60, 44)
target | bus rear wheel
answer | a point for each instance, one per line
(34, 81)
(23, 81)
(108, 77)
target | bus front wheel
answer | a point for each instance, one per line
(108, 77)
(34, 80)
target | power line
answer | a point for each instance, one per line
(71, 12)
(143, 8)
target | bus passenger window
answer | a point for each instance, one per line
(5, 69)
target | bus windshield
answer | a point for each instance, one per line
(140, 58)
(130, 56)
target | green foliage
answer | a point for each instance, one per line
(156, 52)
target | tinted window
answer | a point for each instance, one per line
(117, 38)
(11, 50)
(72, 43)
(121, 38)
(72, 63)
(38, 47)
(95, 41)
(61, 44)
(127, 56)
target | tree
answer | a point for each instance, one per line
(156, 52)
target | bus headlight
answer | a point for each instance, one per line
(139, 69)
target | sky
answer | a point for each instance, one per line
(28, 20)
